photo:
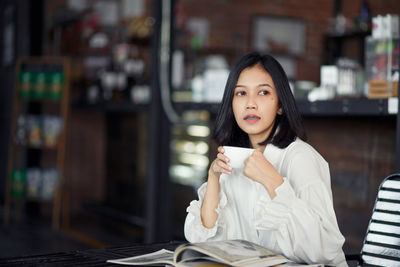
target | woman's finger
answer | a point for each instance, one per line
(224, 167)
(223, 157)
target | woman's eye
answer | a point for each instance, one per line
(263, 92)
(239, 93)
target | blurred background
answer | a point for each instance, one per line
(107, 109)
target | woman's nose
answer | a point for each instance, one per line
(251, 103)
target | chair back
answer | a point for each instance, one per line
(382, 242)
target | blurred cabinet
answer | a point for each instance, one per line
(37, 147)
(190, 152)
(110, 44)
(118, 91)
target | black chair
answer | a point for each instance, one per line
(382, 242)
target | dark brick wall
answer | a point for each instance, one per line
(361, 153)
(86, 158)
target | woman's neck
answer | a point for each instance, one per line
(256, 145)
(256, 140)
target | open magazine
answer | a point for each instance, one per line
(212, 253)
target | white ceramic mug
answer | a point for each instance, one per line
(237, 155)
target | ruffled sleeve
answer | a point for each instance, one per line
(194, 229)
(301, 217)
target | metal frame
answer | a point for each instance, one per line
(397, 158)
(158, 200)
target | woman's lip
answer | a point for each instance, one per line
(252, 120)
(251, 117)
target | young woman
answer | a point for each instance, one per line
(282, 199)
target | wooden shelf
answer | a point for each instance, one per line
(335, 107)
(345, 107)
(21, 164)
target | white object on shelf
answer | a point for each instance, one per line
(108, 11)
(321, 93)
(140, 94)
(393, 105)
(132, 8)
(214, 84)
(385, 26)
(197, 88)
(329, 75)
(78, 5)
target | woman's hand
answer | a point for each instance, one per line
(259, 169)
(220, 164)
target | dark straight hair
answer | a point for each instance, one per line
(287, 126)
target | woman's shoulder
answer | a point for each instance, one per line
(302, 150)
(301, 146)
(304, 165)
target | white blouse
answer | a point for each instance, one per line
(299, 222)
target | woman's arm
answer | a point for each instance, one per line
(303, 224)
(302, 212)
(220, 165)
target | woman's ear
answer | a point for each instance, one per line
(279, 112)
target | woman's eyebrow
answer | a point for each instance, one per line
(265, 84)
(260, 85)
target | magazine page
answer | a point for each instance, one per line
(232, 252)
(201, 263)
(294, 264)
(161, 257)
(191, 255)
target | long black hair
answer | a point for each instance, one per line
(287, 126)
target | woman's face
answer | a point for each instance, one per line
(255, 103)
